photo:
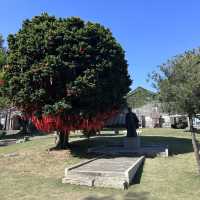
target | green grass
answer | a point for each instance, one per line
(36, 174)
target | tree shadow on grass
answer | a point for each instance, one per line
(128, 196)
(79, 148)
(21, 134)
(99, 198)
(136, 196)
(175, 145)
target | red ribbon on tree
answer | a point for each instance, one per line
(2, 82)
(68, 123)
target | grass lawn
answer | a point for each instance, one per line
(33, 173)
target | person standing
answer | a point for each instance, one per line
(132, 123)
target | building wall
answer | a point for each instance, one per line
(153, 115)
(149, 115)
(148, 122)
(166, 121)
(196, 123)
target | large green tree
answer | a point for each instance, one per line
(65, 74)
(178, 84)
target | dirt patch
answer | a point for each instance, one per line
(60, 154)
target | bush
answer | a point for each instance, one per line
(2, 134)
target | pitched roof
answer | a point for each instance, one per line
(140, 89)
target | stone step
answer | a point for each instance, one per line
(95, 173)
(79, 181)
(97, 181)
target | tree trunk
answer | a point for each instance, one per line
(9, 119)
(62, 141)
(5, 125)
(195, 144)
(188, 123)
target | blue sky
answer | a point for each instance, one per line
(150, 31)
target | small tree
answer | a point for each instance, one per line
(178, 84)
(65, 74)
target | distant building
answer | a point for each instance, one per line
(140, 97)
(149, 111)
(151, 116)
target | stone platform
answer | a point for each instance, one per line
(114, 172)
(132, 147)
(132, 143)
(148, 150)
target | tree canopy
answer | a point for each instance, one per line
(178, 83)
(64, 73)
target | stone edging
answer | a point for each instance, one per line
(131, 171)
(80, 164)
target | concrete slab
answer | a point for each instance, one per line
(7, 142)
(114, 172)
(132, 146)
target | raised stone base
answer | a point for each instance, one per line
(148, 151)
(132, 142)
